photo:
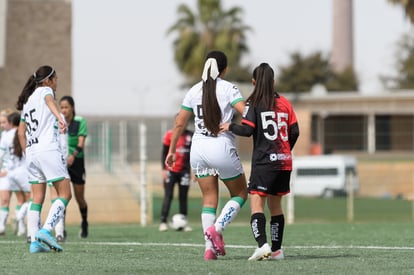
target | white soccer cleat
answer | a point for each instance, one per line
(21, 231)
(187, 228)
(261, 253)
(14, 225)
(277, 255)
(163, 227)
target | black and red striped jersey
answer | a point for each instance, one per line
(271, 146)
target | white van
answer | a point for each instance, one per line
(324, 175)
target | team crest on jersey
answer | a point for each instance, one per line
(273, 157)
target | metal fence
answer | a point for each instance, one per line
(119, 141)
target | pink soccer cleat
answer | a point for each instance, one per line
(216, 239)
(210, 254)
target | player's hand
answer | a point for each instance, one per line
(224, 127)
(70, 160)
(62, 126)
(170, 160)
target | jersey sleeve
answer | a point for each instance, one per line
(83, 128)
(293, 118)
(235, 95)
(249, 116)
(187, 101)
(47, 91)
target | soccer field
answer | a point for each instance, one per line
(310, 248)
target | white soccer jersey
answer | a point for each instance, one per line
(211, 156)
(6, 146)
(227, 96)
(42, 132)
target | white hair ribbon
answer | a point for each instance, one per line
(49, 75)
(211, 64)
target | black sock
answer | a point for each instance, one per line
(84, 214)
(258, 225)
(277, 225)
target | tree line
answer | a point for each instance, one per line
(211, 26)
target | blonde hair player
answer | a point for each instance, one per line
(6, 142)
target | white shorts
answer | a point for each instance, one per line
(4, 183)
(19, 179)
(215, 156)
(47, 166)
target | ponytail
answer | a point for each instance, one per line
(42, 74)
(215, 64)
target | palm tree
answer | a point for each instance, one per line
(408, 6)
(210, 28)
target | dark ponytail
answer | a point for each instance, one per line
(263, 92)
(43, 73)
(14, 119)
(210, 105)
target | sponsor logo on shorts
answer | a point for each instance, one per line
(202, 172)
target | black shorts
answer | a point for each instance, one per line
(77, 171)
(268, 181)
(182, 179)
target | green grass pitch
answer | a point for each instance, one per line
(370, 245)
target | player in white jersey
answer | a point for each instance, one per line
(39, 137)
(6, 141)
(213, 155)
(18, 178)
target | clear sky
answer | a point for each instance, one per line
(123, 60)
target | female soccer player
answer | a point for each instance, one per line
(17, 177)
(39, 137)
(213, 154)
(6, 142)
(77, 132)
(270, 118)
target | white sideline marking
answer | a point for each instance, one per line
(360, 247)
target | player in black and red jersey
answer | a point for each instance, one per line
(270, 118)
(179, 173)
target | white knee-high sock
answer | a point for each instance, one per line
(60, 226)
(33, 220)
(56, 213)
(208, 217)
(228, 213)
(22, 211)
(4, 214)
(27, 213)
